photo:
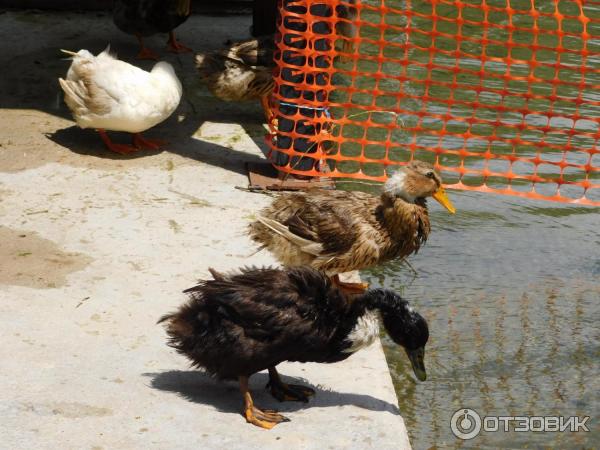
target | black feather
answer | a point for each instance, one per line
(147, 17)
(241, 323)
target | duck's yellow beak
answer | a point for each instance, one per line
(442, 198)
(68, 52)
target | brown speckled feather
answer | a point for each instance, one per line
(352, 230)
(242, 72)
(82, 95)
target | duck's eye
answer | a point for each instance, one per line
(429, 174)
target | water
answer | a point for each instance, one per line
(510, 287)
(491, 117)
(511, 291)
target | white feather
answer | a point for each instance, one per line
(395, 186)
(103, 92)
(306, 245)
(364, 332)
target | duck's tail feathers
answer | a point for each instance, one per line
(217, 275)
(196, 288)
(177, 327)
(306, 245)
(75, 93)
(166, 317)
(107, 52)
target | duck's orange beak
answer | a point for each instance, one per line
(442, 198)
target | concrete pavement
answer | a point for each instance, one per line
(95, 247)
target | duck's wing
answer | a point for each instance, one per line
(121, 80)
(328, 224)
(82, 95)
(231, 80)
(322, 230)
(276, 306)
(306, 245)
(100, 83)
(254, 52)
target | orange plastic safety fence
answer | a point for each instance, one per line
(502, 95)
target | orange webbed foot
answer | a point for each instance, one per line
(145, 52)
(265, 418)
(141, 142)
(122, 149)
(174, 46)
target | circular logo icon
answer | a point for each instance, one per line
(465, 424)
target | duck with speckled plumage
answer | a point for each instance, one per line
(242, 72)
(341, 231)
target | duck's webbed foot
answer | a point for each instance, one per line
(122, 149)
(264, 418)
(140, 142)
(287, 392)
(175, 46)
(145, 52)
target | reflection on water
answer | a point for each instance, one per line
(511, 290)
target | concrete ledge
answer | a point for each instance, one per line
(101, 246)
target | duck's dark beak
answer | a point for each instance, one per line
(417, 361)
(442, 198)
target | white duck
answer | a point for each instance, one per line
(107, 94)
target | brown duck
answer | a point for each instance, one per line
(339, 231)
(242, 72)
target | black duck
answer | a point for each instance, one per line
(147, 17)
(239, 324)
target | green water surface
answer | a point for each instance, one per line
(510, 287)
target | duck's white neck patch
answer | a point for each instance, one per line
(395, 186)
(364, 332)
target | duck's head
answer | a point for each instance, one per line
(404, 325)
(417, 180)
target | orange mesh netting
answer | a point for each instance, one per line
(502, 95)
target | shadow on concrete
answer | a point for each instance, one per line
(31, 72)
(88, 143)
(199, 387)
